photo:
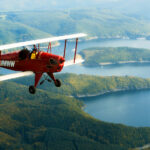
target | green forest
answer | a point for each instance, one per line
(86, 85)
(54, 121)
(97, 55)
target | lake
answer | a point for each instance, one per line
(130, 108)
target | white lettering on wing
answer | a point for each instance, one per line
(7, 63)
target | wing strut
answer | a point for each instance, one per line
(38, 47)
(75, 50)
(34, 46)
(65, 48)
(49, 47)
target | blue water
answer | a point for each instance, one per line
(118, 70)
(130, 108)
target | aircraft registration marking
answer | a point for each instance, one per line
(7, 63)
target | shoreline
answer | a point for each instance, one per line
(85, 64)
(123, 62)
(108, 92)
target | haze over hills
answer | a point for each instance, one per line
(105, 24)
(107, 19)
(131, 6)
(14, 31)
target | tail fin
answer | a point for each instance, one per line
(0, 55)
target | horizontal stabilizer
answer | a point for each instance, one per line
(40, 41)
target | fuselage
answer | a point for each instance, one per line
(36, 61)
(44, 62)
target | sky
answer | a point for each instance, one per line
(126, 5)
(8, 5)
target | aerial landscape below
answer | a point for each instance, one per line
(101, 103)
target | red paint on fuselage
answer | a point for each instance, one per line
(44, 62)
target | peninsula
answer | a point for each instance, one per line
(111, 56)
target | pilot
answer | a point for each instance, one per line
(34, 53)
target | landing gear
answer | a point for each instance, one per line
(46, 79)
(57, 83)
(32, 89)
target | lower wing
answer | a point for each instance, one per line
(28, 73)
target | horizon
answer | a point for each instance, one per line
(124, 5)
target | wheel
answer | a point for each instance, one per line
(32, 89)
(57, 83)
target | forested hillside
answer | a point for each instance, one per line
(86, 85)
(108, 55)
(50, 121)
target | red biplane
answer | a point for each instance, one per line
(36, 61)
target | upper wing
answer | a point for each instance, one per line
(28, 73)
(40, 41)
